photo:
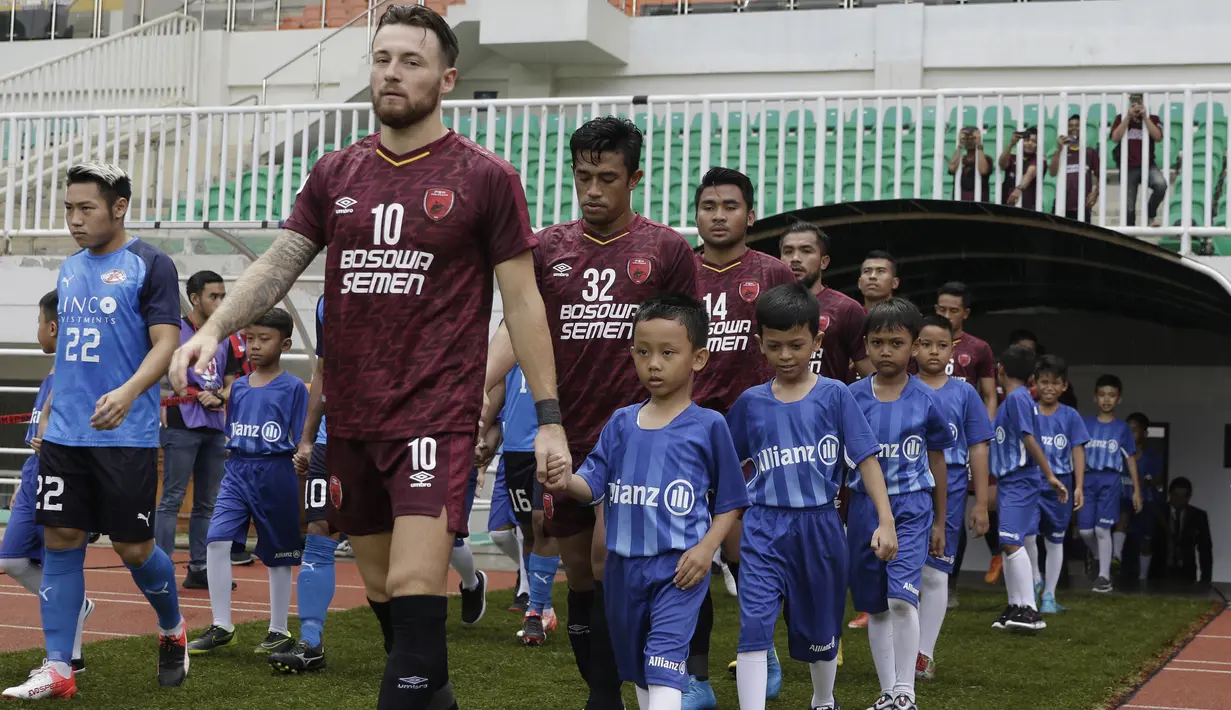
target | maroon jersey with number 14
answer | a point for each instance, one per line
(413, 240)
(592, 286)
(730, 293)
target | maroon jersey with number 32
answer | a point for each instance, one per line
(592, 286)
(413, 240)
(730, 293)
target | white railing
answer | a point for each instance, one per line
(239, 167)
(154, 64)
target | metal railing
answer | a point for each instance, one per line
(153, 64)
(239, 167)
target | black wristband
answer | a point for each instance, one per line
(548, 411)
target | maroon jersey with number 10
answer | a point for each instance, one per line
(413, 240)
(592, 286)
(730, 293)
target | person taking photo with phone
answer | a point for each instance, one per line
(970, 159)
(1136, 129)
(1068, 159)
(1021, 193)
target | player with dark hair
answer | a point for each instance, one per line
(878, 278)
(730, 278)
(973, 361)
(658, 467)
(265, 423)
(805, 248)
(98, 464)
(1111, 475)
(593, 273)
(21, 551)
(1151, 470)
(1019, 462)
(801, 432)
(412, 308)
(913, 430)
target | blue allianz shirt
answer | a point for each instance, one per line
(518, 418)
(107, 305)
(656, 482)
(799, 449)
(1014, 420)
(906, 430)
(266, 421)
(321, 437)
(44, 389)
(1059, 433)
(1109, 445)
(968, 423)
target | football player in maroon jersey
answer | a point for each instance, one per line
(593, 273)
(417, 220)
(972, 361)
(878, 278)
(730, 277)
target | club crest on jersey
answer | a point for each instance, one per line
(824, 323)
(438, 203)
(963, 360)
(335, 492)
(639, 270)
(749, 290)
(114, 276)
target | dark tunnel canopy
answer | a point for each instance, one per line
(1013, 259)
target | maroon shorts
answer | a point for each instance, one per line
(373, 482)
(564, 516)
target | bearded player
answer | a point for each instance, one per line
(593, 273)
(730, 277)
(416, 219)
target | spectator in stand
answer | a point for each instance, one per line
(193, 439)
(1136, 129)
(1068, 151)
(1024, 193)
(969, 158)
(1187, 547)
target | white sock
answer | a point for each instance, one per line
(1032, 552)
(1055, 562)
(1023, 586)
(1144, 571)
(280, 579)
(880, 638)
(643, 697)
(751, 679)
(824, 674)
(933, 603)
(85, 604)
(27, 574)
(905, 619)
(1091, 541)
(1117, 544)
(218, 571)
(463, 561)
(508, 542)
(1104, 552)
(1009, 586)
(662, 697)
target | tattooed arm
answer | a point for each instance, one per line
(261, 287)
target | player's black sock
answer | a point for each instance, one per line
(734, 567)
(417, 669)
(957, 561)
(384, 616)
(604, 676)
(579, 605)
(992, 538)
(699, 647)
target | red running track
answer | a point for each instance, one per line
(1198, 678)
(122, 611)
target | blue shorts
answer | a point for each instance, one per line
(264, 489)
(1017, 498)
(796, 555)
(651, 620)
(874, 582)
(23, 538)
(1052, 517)
(955, 520)
(1102, 505)
(472, 487)
(501, 513)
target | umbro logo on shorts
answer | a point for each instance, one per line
(413, 682)
(422, 479)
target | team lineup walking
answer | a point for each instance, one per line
(658, 412)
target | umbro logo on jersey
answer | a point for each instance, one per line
(561, 269)
(422, 479)
(344, 205)
(114, 276)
